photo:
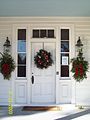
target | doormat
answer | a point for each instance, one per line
(41, 108)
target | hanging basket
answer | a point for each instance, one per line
(7, 65)
(79, 67)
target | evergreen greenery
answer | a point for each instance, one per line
(7, 65)
(43, 59)
(79, 67)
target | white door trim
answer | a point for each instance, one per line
(28, 82)
(50, 40)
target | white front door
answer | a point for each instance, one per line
(43, 88)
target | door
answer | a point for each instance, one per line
(43, 88)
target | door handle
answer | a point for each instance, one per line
(32, 79)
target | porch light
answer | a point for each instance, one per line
(79, 43)
(79, 46)
(7, 45)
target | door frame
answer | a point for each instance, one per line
(29, 40)
(72, 54)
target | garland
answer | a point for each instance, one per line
(79, 67)
(43, 59)
(7, 65)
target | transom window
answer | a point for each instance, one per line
(64, 52)
(43, 33)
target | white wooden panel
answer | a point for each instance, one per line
(65, 91)
(37, 89)
(21, 93)
(83, 93)
(5, 85)
(83, 88)
(43, 89)
(35, 48)
(47, 89)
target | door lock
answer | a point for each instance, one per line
(57, 73)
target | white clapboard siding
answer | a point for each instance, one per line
(83, 88)
(81, 28)
(5, 86)
(5, 31)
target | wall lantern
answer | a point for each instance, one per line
(79, 43)
(7, 45)
(79, 46)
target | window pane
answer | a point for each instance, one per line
(50, 33)
(64, 34)
(42, 33)
(64, 46)
(21, 34)
(21, 46)
(35, 33)
(64, 71)
(21, 58)
(64, 59)
(21, 71)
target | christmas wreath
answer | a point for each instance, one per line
(79, 67)
(7, 65)
(43, 59)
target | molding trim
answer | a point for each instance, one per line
(43, 19)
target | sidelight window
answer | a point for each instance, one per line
(64, 52)
(21, 53)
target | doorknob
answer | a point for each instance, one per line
(32, 79)
(57, 73)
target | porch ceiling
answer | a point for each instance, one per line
(45, 8)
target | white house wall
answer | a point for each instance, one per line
(5, 30)
(83, 88)
(80, 93)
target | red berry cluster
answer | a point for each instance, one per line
(7, 65)
(79, 67)
(5, 68)
(79, 70)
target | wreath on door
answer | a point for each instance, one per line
(43, 59)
